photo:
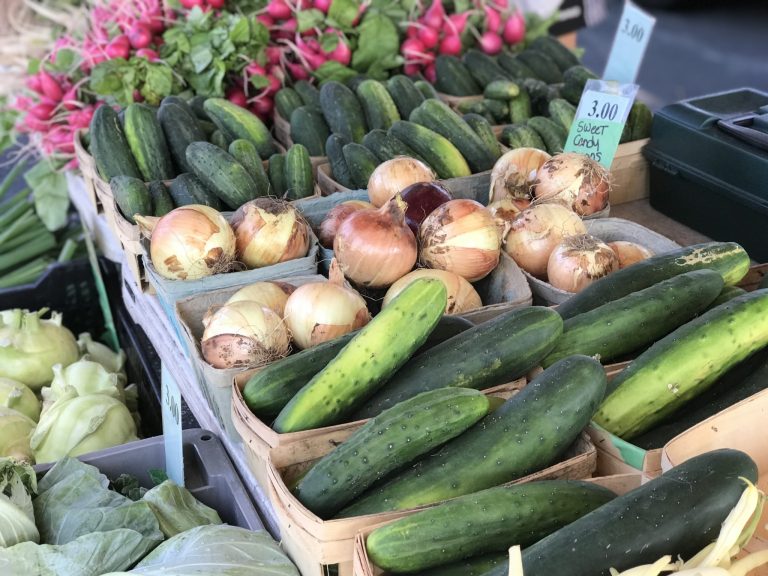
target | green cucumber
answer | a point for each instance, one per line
(236, 122)
(641, 119)
(245, 153)
(558, 53)
(553, 135)
(353, 82)
(109, 145)
(574, 80)
(683, 364)
(147, 142)
(385, 146)
(217, 138)
(360, 162)
(484, 130)
(308, 93)
(405, 94)
(503, 90)
(197, 104)
(181, 103)
(308, 127)
(379, 107)
(521, 136)
(454, 78)
(131, 197)
(298, 173)
(498, 110)
(520, 108)
(180, 131)
(562, 112)
(334, 149)
(678, 513)
(187, 189)
(514, 67)
(516, 439)
(437, 151)
(426, 89)
(483, 68)
(488, 521)
(727, 293)
(637, 319)
(727, 258)
(276, 169)
(162, 203)
(475, 566)
(542, 65)
(394, 438)
(221, 173)
(342, 111)
(286, 101)
(489, 354)
(368, 360)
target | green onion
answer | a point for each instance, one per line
(35, 248)
(22, 238)
(11, 177)
(67, 251)
(27, 274)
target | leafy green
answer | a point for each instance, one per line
(50, 192)
(128, 485)
(8, 118)
(343, 12)
(177, 510)
(118, 79)
(378, 46)
(17, 518)
(334, 71)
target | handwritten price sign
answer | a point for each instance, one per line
(629, 44)
(170, 401)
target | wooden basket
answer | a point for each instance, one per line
(88, 168)
(618, 456)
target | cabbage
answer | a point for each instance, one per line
(177, 510)
(17, 518)
(17, 396)
(30, 346)
(86, 377)
(15, 432)
(98, 352)
(74, 425)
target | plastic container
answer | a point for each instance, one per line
(208, 472)
(708, 166)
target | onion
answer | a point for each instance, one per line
(506, 210)
(322, 311)
(393, 176)
(375, 247)
(335, 217)
(462, 296)
(244, 335)
(575, 181)
(272, 295)
(461, 237)
(536, 231)
(578, 261)
(422, 198)
(192, 242)
(514, 173)
(269, 231)
(629, 253)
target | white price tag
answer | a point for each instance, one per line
(629, 45)
(170, 399)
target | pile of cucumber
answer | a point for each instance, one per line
(205, 151)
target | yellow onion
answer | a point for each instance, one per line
(535, 232)
(575, 181)
(393, 176)
(460, 236)
(462, 296)
(629, 253)
(192, 242)
(272, 294)
(514, 173)
(578, 261)
(322, 311)
(268, 231)
(335, 217)
(506, 210)
(244, 335)
(375, 247)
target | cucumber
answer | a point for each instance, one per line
(308, 93)
(438, 117)
(498, 110)
(308, 127)
(360, 162)
(574, 80)
(286, 101)
(521, 136)
(109, 146)
(475, 566)
(489, 354)
(542, 65)
(334, 149)
(514, 67)
(298, 173)
(727, 258)
(379, 107)
(683, 364)
(441, 155)
(727, 293)
(162, 203)
(487, 521)
(187, 189)
(236, 122)
(405, 94)
(637, 319)
(245, 153)
(342, 111)
(539, 93)
(483, 129)
(207, 127)
(147, 143)
(180, 131)
(181, 103)
(483, 68)
(520, 108)
(641, 121)
(131, 197)
(562, 112)
(197, 104)
(515, 440)
(426, 89)
(385, 146)
(276, 169)
(503, 90)
(368, 360)
(558, 53)
(553, 135)
(678, 513)
(355, 81)
(221, 173)
(394, 438)
(454, 78)
(217, 138)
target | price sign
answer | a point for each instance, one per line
(600, 118)
(170, 399)
(629, 44)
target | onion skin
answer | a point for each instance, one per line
(515, 172)
(629, 253)
(335, 217)
(575, 181)
(536, 231)
(422, 199)
(580, 260)
(462, 296)
(393, 176)
(460, 236)
(505, 211)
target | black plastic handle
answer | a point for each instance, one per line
(741, 128)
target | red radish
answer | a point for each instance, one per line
(457, 22)
(155, 21)
(429, 37)
(33, 83)
(360, 11)
(33, 124)
(266, 19)
(412, 69)
(492, 19)
(279, 9)
(189, 4)
(138, 96)
(433, 17)
(274, 54)
(262, 107)
(430, 73)
(323, 5)
(413, 49)
(491, 43)
(514, 29)
(255, 69)
(297, 71)
(450, 45)
(42, 111)
(500, 5)
(274, 85)
(148, 53)
(412, 31)
(289, 25)
(50, 88)
(341, 54)
(216, 4)
(70, 100)
(113, 51)
(140, 36)
(236, 95)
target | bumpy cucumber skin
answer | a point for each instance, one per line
(109, 146)
(342, 111)
(379, 107)
(245, 153)
(236, 122)
(147, 142)
(221, 174)
(386, 443)
(727, 258)
(276, 169)
(517, 439)
(475, 566)
(181, 129)
(131, 196)
(405, 94)
(640, 318)
(487, 521)
(370, 358)
(162, 203)
(298, 173)
(437, 151)
(334, 149)
(683, 364)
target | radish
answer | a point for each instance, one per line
(189, 4)
(289, 25)
(514, 29)
(412, 69)
(457, 22)
(70, 100)
(412, 31)
(274, 54)
(33, 83)
(413, 49)
(434, 16)
(323, 5)
(492, 20)
(491, 43)
(341, 54)
(255, 69)
(140, 36)
(216, 4)
(266, 19)
(429, 37)
(279, 9)
(155, 21)
(42, 111)
(50, 88)
(500, 5)
(297, 71)
(450, 45)
(148, 53)
(274, 86)
(32, 124)
(114, 50)
(430, 73)
(262, 107)
(236, 95)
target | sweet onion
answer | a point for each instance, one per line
(393, 176)
(335, 217)
(460, 236)
(272, 294)
(515, 172)
(506, 210)
(462, 296)
(321, 311)
(575, 181)
(629, 253)
(578, 261)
